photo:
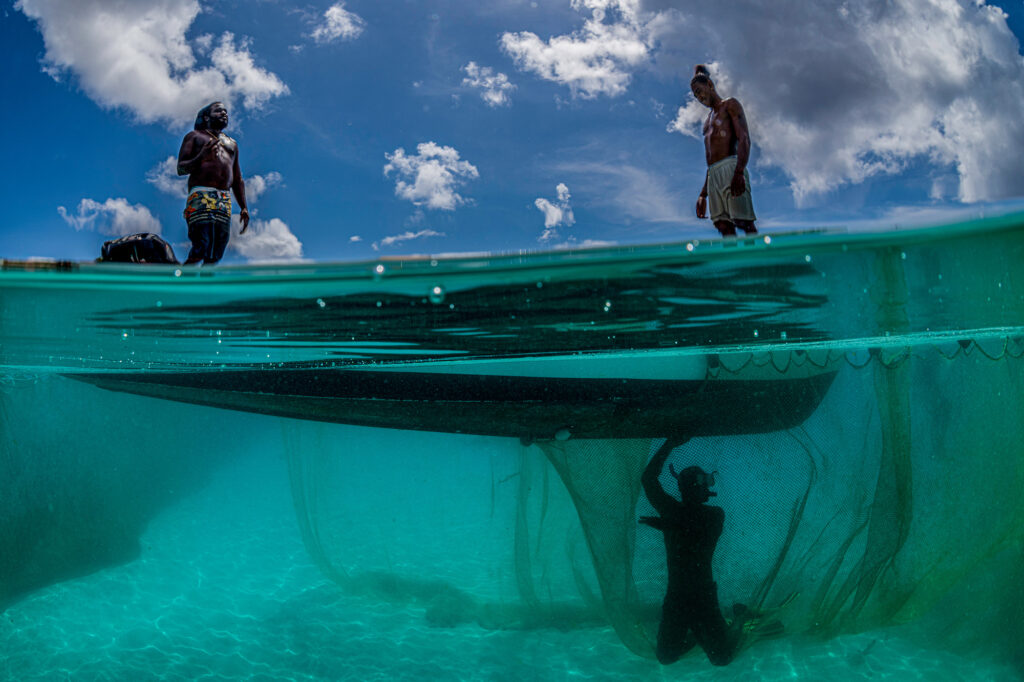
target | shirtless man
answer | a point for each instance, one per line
(210, 159)
(727, 149)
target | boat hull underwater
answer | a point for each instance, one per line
(486, 398)
(597, 344)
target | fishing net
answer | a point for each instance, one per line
(901, 485)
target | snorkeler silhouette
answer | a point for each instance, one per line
(690, 613)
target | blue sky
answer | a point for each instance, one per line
(374, 128)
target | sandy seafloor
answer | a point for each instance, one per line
(224, 590)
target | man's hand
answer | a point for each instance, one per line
(244, 217)
(189, 166)
(738, 185)
(702, 206)
(207, 147)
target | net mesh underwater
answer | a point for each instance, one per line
(870, 513)
(858, 397)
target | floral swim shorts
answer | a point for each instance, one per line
(208, 204)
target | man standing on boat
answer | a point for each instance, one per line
(210, 159)
(727, 150)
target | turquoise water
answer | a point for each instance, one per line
(224, 590)
(858, 394)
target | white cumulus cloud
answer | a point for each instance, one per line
(404, 237)
(837, 92)
(113, 217)
(257, 185)
(555, 213)
(494, 88)
(266, 241)
(164, 176)
(338, 23)
(431, 177)
(688, 119)
(595, 60)
(135, 56)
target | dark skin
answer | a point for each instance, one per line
(210, 159)
(725, 134)
(690, 613)
(689, 560)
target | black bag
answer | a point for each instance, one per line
(138, 248)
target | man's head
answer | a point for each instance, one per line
(694, 484)
(702, 86)
(213, 116)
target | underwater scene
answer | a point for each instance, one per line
(449, 469)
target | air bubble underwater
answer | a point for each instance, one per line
(437, 294)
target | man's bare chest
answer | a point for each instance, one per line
(717, 126)
(226, 148)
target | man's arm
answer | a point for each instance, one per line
(656, 495)
(739, 126)
(238, 187)
(188, 157)
(702, 200)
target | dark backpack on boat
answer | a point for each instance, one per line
(138, 248)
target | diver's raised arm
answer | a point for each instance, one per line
(656, 495)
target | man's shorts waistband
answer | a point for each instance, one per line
(722, 162)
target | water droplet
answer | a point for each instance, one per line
(451, 306)
(689, 246)
(540, 285)
(756, 333)
(177, 273)
(379, 269)
(807, 258)
(767, 239)
(437, 294)
(380, 303)
(320, 302)
(433, 263)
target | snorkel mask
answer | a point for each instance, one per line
(694, 477)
